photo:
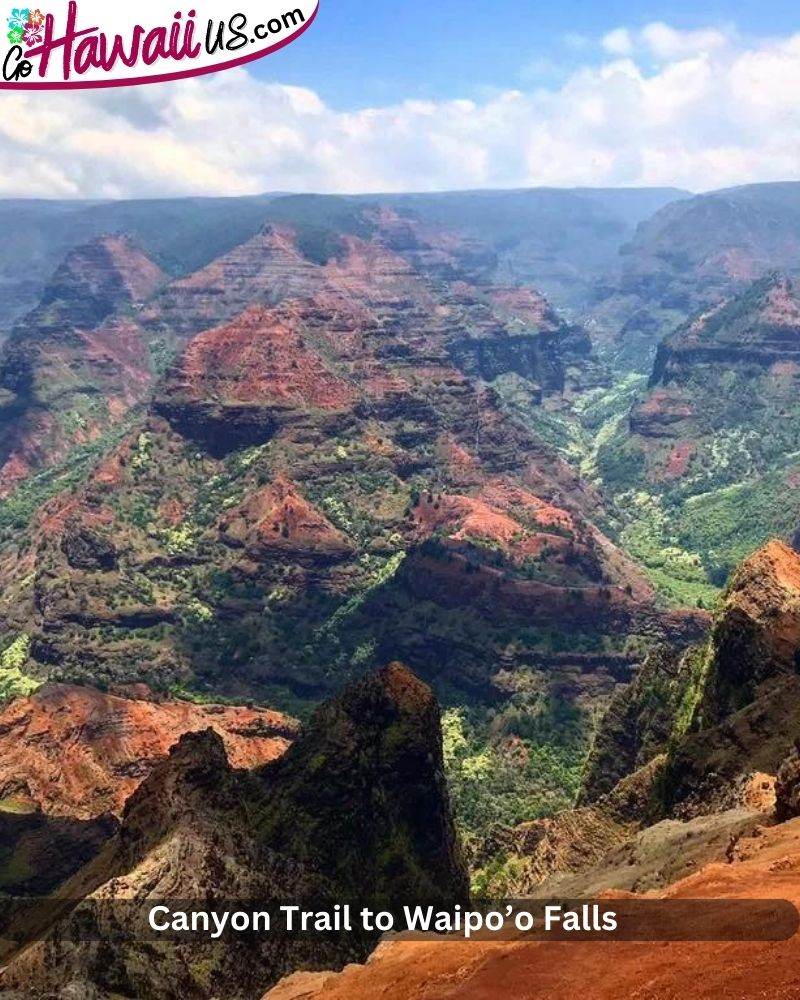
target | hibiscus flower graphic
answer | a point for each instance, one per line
(15, 36)
(20, 16)
(33, 34)
(36, 17)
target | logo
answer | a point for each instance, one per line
(93, 43)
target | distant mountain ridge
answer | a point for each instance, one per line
(689, 255)
(183, 234)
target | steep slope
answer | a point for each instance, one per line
(76, 752)
(265, 270)
(72, 756)
(747, 693)
(356, 809)
(698, 735)
(180, 234)
(730, 373)
(64, 385)
(690, 255)
(723, 237)
(716, 726)
(640, 722)
(558, 240)
(77, 364)
(184, 234)
(723, 713)
(339, 433)
(714, 438)
(330, 475)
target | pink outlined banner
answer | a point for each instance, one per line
(84, 44)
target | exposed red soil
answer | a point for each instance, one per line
(773, 569)
(735, 263)
(52, 518)
(698, 325)
(260, 358)
(508, 496)
(29, 441)
(110, 472)
(785, 369)
(679, 460)
(782, 308)
(662, 403)
(74, 751)
(464, 518)
(14, 471)
(120, 347)
(278, 517)
(459, 460)
(527, 305)
(265, 268)
(518, 523)
(118, 256)
(374, 275)
(173, 511)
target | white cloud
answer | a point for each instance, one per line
(668, 43)
(664, 42)
(618, 42)
(710, 111)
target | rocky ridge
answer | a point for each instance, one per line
(298, 458)
(722, 712)
(78, 363)
(356, 809)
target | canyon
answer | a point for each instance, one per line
(536, 450)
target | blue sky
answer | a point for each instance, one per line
(431, 95)
(366, 52)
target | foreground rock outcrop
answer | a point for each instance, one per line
(356, 809)
(722, 711)
(71, 757)
(708, 732)
(787, 786)
(743, 699)
(757, 637)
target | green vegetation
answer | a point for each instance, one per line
(17, 510)
(178, 539)
(728, 524)
(14, 806)
(497, 878)
(698, 662)
(517, 761)
(381, 572)
(511, 763)
(14, 683)
(593, 435)
(678, 574)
